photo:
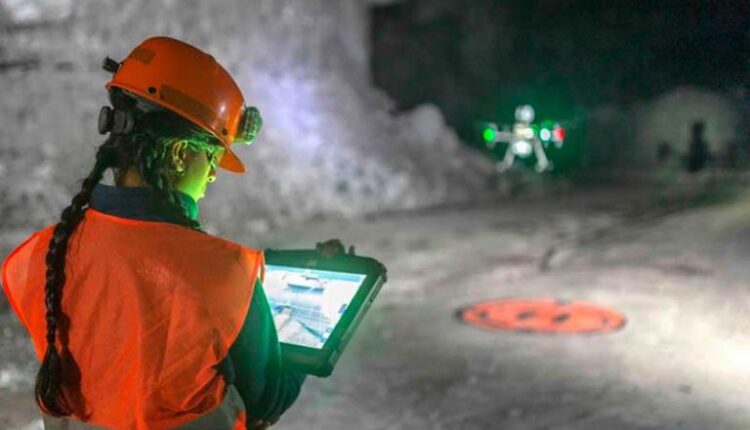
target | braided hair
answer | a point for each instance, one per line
(146, 149)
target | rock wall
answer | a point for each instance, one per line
(330, 144)
(669, 119)
(627, 136)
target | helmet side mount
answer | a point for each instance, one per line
(115, 121)
(111, 120)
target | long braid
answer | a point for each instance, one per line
(145, 149)
(51, 377)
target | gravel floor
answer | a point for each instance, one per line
(681, 362)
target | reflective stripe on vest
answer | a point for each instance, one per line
(153, 309)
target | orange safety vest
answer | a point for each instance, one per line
(153, 308)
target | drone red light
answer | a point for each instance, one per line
(558, 134)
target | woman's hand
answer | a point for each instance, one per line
(260, 424)
(332, 247)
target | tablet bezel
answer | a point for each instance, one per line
(320, 362)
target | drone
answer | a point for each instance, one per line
(524, 138)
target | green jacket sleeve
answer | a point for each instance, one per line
(267, 387)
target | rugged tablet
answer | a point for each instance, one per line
(318, 302)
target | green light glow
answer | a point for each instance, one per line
(488, 134)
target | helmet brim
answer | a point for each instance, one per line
(231, 162)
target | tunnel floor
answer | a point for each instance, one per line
(682, 360)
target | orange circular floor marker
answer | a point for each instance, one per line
(543, 316)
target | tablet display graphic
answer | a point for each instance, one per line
(307, 304)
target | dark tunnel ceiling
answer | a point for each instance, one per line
(476, 60)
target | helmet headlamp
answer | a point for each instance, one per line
(249, 126)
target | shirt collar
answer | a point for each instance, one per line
(138, 203)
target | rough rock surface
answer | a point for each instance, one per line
(331, 144)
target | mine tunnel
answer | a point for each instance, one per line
(516, 215)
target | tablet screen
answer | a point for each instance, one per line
(306, 303)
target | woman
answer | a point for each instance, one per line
(140, 319)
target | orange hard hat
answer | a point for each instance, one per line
(183, 79)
